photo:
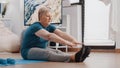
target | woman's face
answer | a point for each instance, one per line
(46, 18)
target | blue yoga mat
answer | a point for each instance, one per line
(21, 61)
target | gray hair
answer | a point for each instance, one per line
(43, 10)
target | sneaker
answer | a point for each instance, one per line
(78, 55)
(81, 55)
(86, 53)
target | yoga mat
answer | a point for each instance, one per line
(21, 61)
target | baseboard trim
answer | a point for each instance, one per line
(73, 49)
(117, 50)
(102, 47)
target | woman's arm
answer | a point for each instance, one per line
(66, 36)
(53, 37)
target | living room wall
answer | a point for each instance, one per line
(14, 13)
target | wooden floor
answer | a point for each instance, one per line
(95, 60)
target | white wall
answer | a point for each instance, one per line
(75, 20)
(14, 12)
(118, 21)
(74, 1)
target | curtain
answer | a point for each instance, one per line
(114, 32)
(113, 24)
(113, 27)
(118, 21)
(106, 2)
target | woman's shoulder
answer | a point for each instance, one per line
(36, 24)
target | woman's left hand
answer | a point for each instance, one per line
(76, 42)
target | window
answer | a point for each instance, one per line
(97, 23)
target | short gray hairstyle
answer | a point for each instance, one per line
(43, 10)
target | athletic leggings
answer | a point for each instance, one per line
(48, 54)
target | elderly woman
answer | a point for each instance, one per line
(36, 37)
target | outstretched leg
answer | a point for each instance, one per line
(48, 54)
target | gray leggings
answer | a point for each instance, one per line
(48, 54)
